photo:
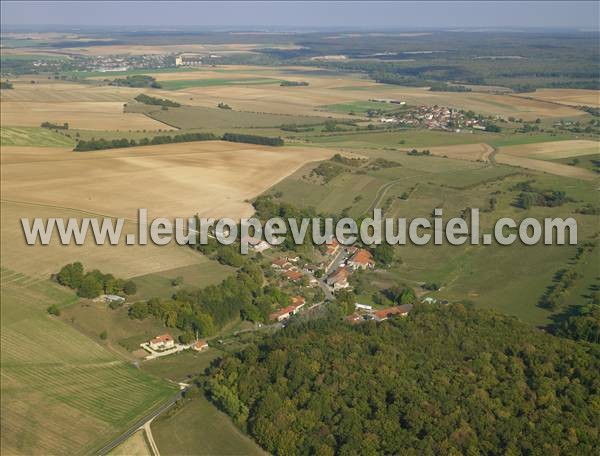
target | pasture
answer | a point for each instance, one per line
(213, 432)
(62, 393)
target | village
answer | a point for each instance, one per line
(432, 117)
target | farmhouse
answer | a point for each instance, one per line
(339, 279)
(362, 259)
(162, 342)
(384, 314)
(200, 345)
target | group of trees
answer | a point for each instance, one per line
(205, 310)
(419, 153)
(146, 99)
(293, 84)
(137, 80)
(53, 126)
(253, 139)
(443, 380)
(93, 283)
(101, 143)
(6, 85)
(530, 196)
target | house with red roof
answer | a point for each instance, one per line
(200, 345)
(162, 342)
(384, 314)
(338, 279)
(362, 259)
(293, 275)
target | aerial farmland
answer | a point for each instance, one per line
(271, 347)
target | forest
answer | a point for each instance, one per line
(443, 380)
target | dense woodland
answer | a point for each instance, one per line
(444, 380)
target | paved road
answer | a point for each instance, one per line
(138, 425)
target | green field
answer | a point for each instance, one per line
(401, 139)
(360, 107)
(210, 82)
(591, 162)
(62, 393)
(33, 137)
(206, 272)
(198, 117)
(198, 428)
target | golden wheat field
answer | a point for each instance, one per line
(210, 178)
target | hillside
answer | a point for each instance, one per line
(443, 380)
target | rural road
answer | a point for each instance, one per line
(140, 424)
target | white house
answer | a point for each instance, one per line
(162, 342)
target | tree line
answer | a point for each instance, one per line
(253, 139)
(101, 143)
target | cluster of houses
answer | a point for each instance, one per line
(353, 258)
(288, 266)
(435, 118)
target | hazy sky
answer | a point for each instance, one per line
(305, 14)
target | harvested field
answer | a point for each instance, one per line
(122, 260)
(62, 92)
(570, 97)
(553, 150)
(84, 115)
(134, 446)
(473, 152)
(210, 178)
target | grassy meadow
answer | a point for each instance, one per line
(214, 432)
